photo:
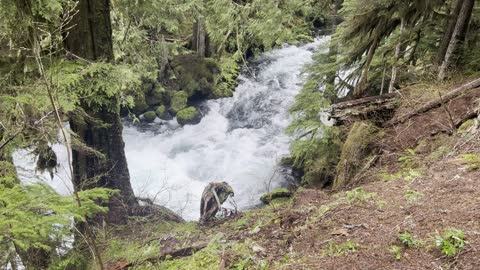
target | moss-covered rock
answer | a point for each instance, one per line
(149, 116)
(194, 75)
(466, 126)
(156, 96)
(355, 150)
(276, 194)
(179, 101)
(162, 112)
(147, 86)
(188, 116)
(140, 106)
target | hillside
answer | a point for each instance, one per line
(391, 218)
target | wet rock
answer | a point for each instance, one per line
(162, 113)
(179, 101)
(140, 106)
(149, 117)
(188, 116)
(157, 96)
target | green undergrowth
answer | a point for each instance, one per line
(141, 243)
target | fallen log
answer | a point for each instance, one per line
(173, 253)
(372, 108)
(473, 85)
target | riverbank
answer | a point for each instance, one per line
(416, 209)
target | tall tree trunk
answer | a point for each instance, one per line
(393, 79)
(447, 36)
(91, 38)
(461, 25)
(200, 38)
(361, 87)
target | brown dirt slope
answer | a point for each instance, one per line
(425, 190)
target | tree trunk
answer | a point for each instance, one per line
(200, 39)
(361, 87)
(449, 32)
(393, 79)
(460, 26)
(91, 38)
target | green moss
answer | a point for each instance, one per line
(188, 115)
(179, 101)
(465, 127)
(140, 105)
(275, 194)
(222, 90)
(160, 111)
(195, 74)
(149, 116)
(333, 249)
(156, 96)
(471, 161)
(358, 195)
(355, 151)
(147, 87)
(207, 258)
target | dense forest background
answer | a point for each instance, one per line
(89, 63)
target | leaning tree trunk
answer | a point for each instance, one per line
(91, 38)
(449, 32)
(391, 87)
(460, 26)
(361, 87)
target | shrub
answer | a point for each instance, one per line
(451, 242)
(408, 240)
(396, 251)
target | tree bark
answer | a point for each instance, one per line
(460, 26)
(200, 38)
(449, 32)
(393, 79)
(91, 38)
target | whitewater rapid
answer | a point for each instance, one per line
(239, 140)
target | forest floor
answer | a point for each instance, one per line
(393, 219)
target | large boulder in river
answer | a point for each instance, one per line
(188, 116)
(179, 101)
(149, 117)
(163, 113)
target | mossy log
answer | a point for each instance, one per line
(355, 152)
(275, 194)
(172, 254)
(378, 108)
